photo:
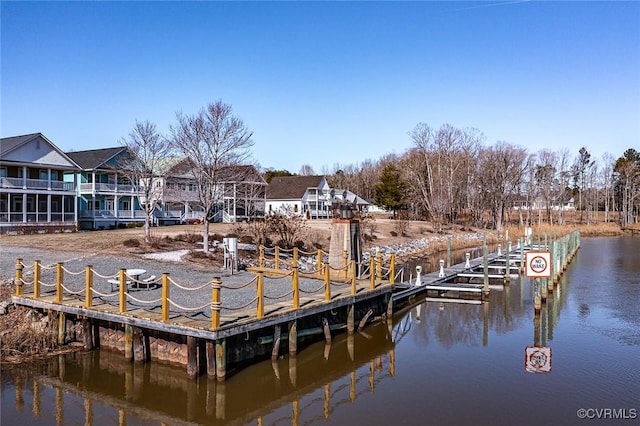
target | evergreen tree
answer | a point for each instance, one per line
(389, 192)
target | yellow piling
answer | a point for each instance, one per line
(88, 284)
(19, 268)
(59, 280)
(165, 297)
(344, 263)
(378, 266)
(327, 283)
(296, 289)
(392, 268)
(123, 285)
(353, 277)
(319, 261)
(216, 283)
(372, 276)
(36, 279)
(295, 256)
(260, 295)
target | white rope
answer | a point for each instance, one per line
(47, 285)
(116, 275)
(71, 291)
(184, 308)
(148, 302)
(189, 288)
(278, 297)
(71, 272)
(312, 291)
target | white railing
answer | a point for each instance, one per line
(108, 187)
(56, 185)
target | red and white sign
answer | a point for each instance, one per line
(537, 264)
(537, 359)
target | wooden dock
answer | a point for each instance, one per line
(217, 339)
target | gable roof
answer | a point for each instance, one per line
(95, 158)
(181, 168)
(15, 148)
(291, 187)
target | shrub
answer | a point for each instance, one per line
(215, 237)
(131, 242)
(246, 239)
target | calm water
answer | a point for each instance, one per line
(440, 363)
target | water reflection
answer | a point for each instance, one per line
(352, 377)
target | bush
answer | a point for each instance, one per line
(131, 242)
(246, 239)
(215, 237)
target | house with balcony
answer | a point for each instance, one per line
(37, 185)
(107, 198)
(241, 189)
(309, 196)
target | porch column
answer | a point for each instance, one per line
(49, 205)
(116, 210)
(49, 179)
(235, 205)
(24, 206)
(24, 177)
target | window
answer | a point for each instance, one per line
(44, 175)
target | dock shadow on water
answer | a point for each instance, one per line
(437, 362)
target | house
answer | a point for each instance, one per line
(522, 203)
(310, 196)
(107, 198)
(37, 185)
(241, 192)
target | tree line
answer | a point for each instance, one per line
(448, 175)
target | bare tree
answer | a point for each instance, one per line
(148, 149)
(306, 170)
(211, 140)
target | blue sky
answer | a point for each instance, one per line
(326, 83)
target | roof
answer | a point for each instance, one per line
(291, 187)
(95, 158)
(14, 143)
(181, 168)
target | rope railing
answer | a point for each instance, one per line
(63, 283)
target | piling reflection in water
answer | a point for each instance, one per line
(318, 380)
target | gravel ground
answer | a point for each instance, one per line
(183, 274)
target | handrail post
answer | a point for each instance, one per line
(36, 279)
(216, 284)
(372, 275)
(378, 264)
(277, 258)
(165, 297)
(327, 283)
(121, 296)
(344, 263)
(353, 277)
(19, 269)
(392, 268)
(59, 280)
(296, 288)
(261, 262)
(88, 284)
(319, 261)
(260, 295)
(295, 257)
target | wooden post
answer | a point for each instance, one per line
(392, 268)
(139, 347)
(345, 257)
(296, 288)
(485, 262)
(378, 264)
(221, 359)
(353, 277)
(36, 279)
(211, 359)
(276, 343)
(192, 357)
(128, 342)
(277, 258)
(293, 337)
(62, 328)
(351, 319)
(18, 282)
(507, 276)
(87, 333)
(165, 297)
(261, 258)
(295, 257)
(326, 329)
(537, 303)
(123, 285)
(88, 286)
(319, 261)
(216, 283)
(260, 295)
(327, 283)
(59, 281)
(372, 277)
